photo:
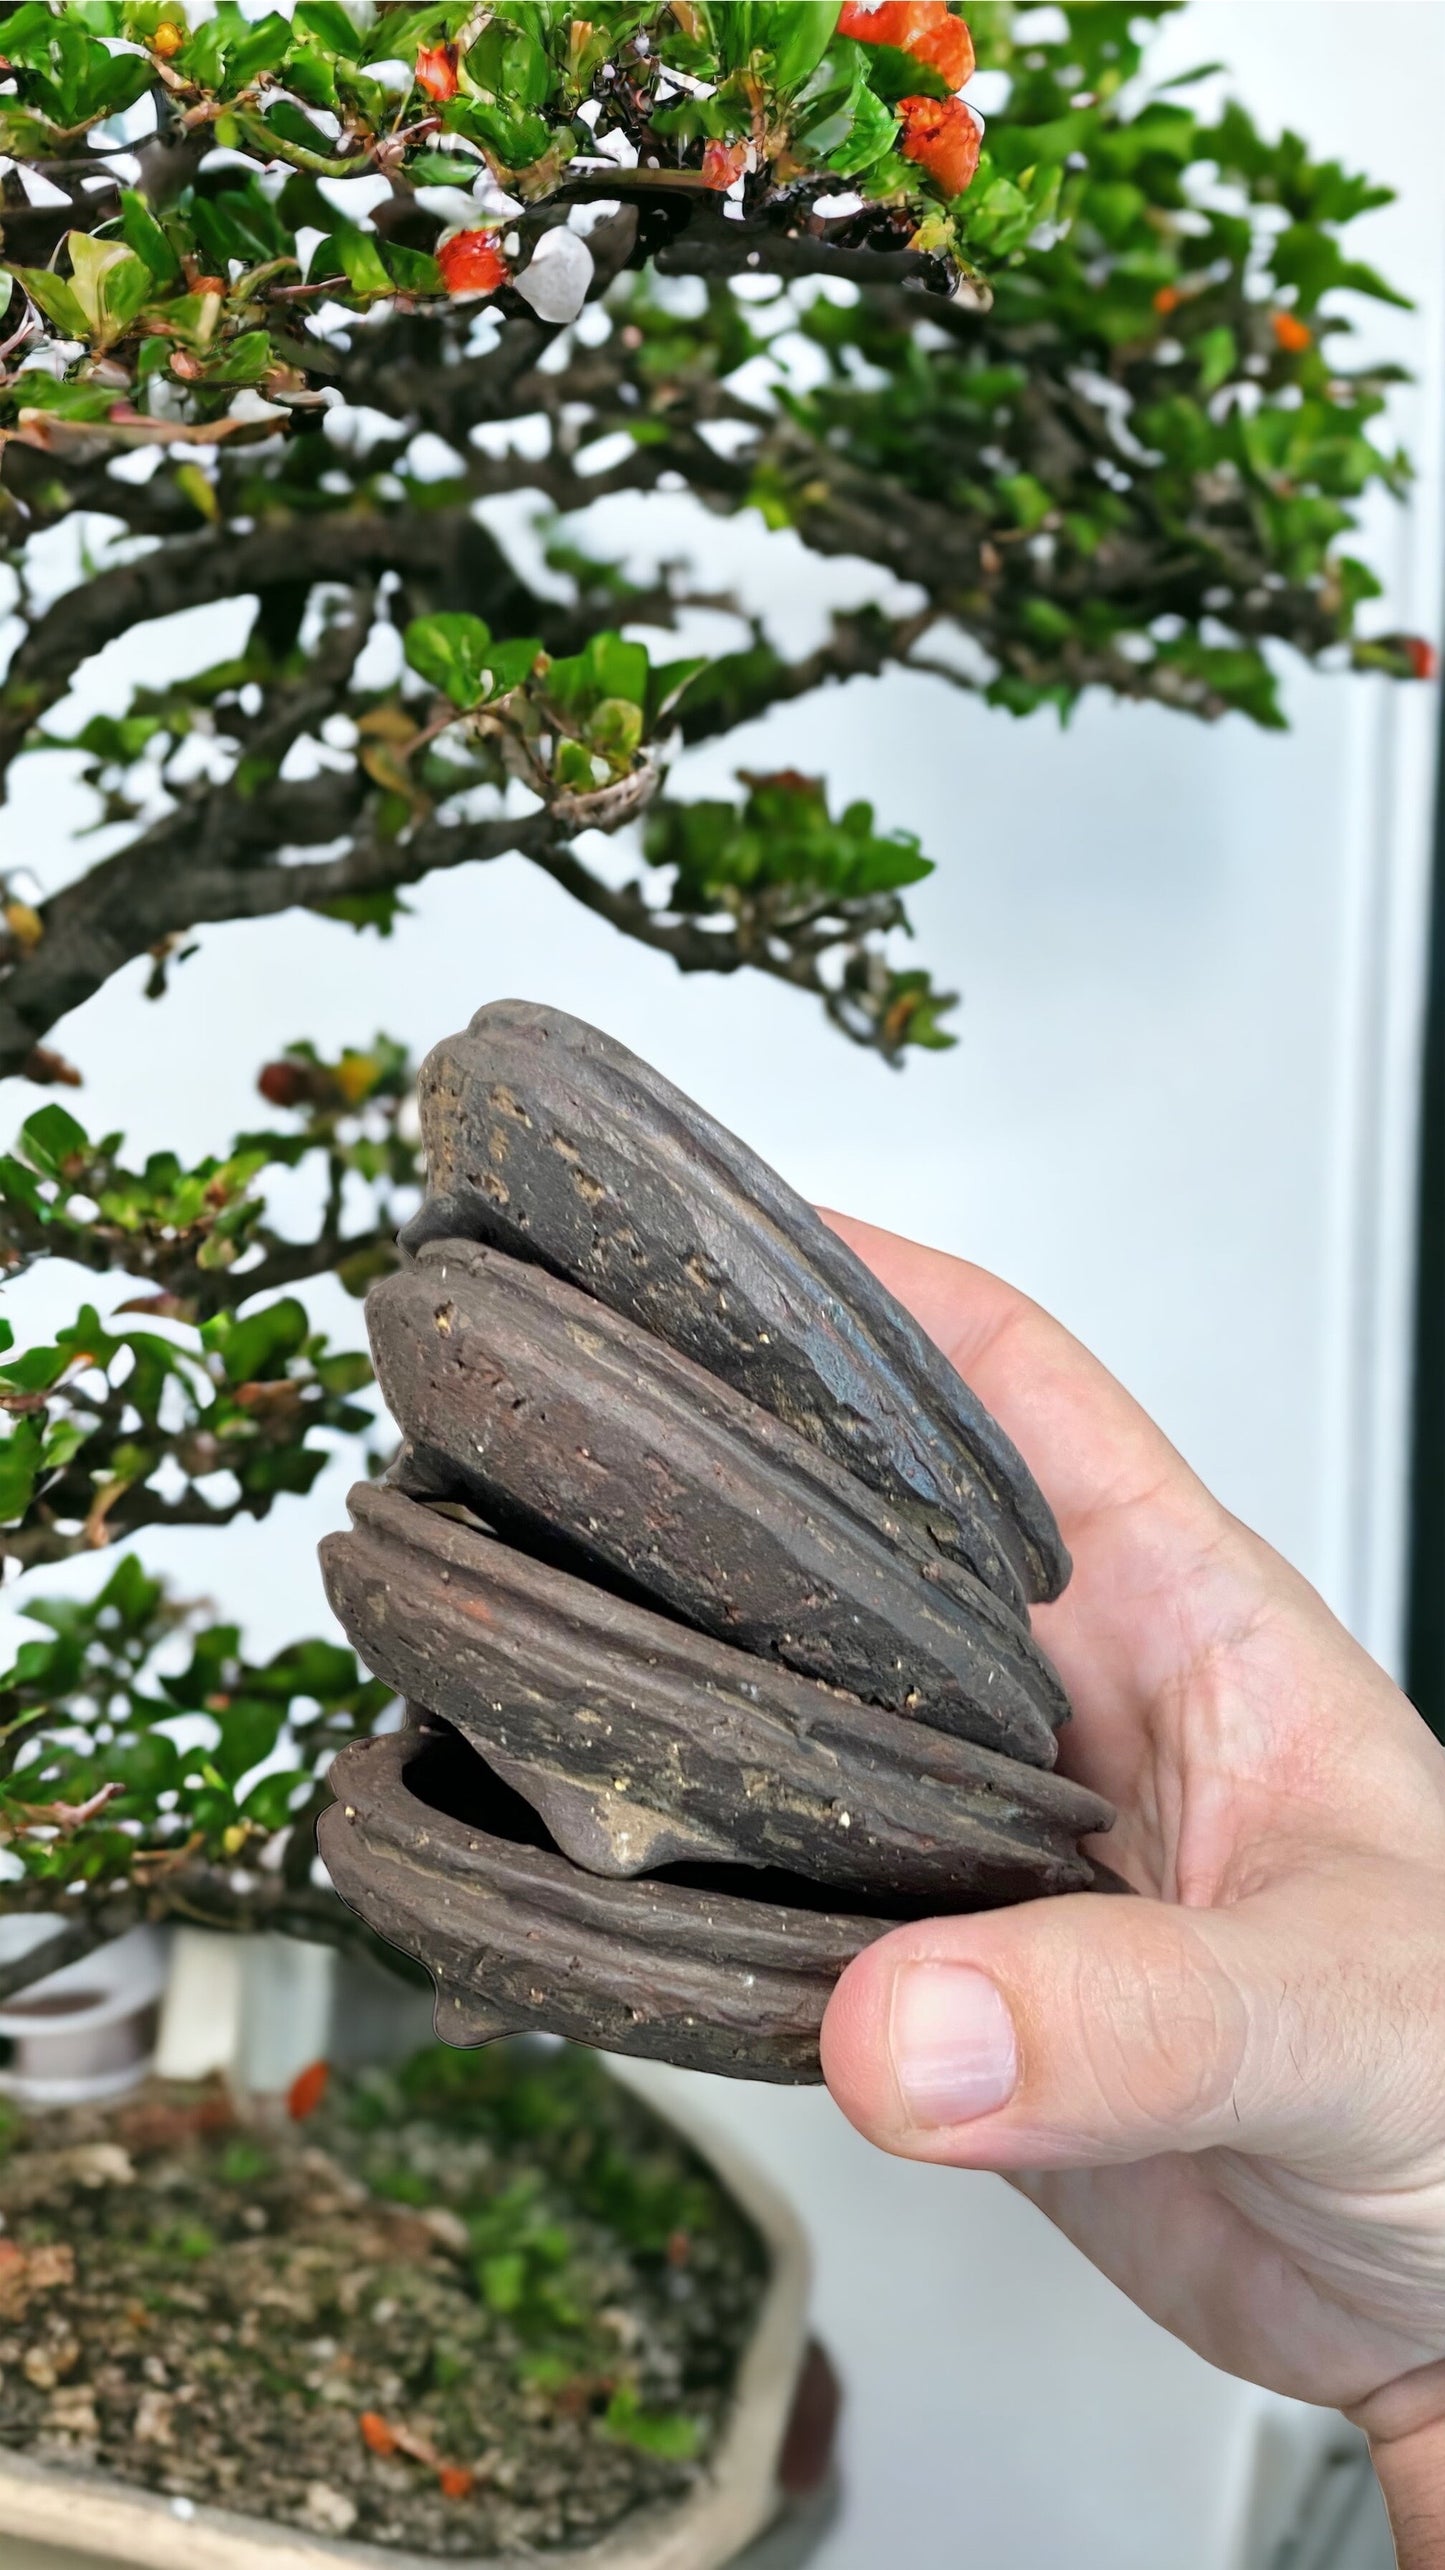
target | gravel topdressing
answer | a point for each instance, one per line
(485, 2303)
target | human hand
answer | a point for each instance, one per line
(1230, 2093)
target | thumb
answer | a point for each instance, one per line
(1087, 2030)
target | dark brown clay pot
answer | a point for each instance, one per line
(712, 1575)
(569, 1427)
(518, 1940)
(554, 1142)
(641, 1742)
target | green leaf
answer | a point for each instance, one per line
(503, 2280)
(244, 360)
(895, 74)
(350, 1372)
(108, 282)
(802, 34)
(327, 24)
(450, 651)
(144, 235)
(378, 910)
(55, 298)
(414, 271)
(618, 668)
(1217, 354)
(248, 1730)
(666, 687)
(259, 1346)
(360, 256)
(575, 769)
(147, 1765)
(263, 47)
(509, 66)
(615, 728)
(443, 169)
(51, 1137)
(269, 1803)
(20, 1456)
(20, 1186)
(860, 132)
(665, 2433)
(509, 663)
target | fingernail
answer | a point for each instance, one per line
(955, 2053)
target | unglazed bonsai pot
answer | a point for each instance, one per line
(706, 1579)
(89, 2519)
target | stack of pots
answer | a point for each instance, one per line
(704, 1576)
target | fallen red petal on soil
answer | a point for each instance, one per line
(307, 2090)
(377, 2435)
(455, 2481)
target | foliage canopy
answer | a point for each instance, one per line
(301, 303)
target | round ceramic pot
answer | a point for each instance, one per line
(53, 2519)
(84, 2033)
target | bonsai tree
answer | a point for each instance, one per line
(290, 297)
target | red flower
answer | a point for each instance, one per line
(1424, 659)
(1293, 334)
(722, 163)
(927, 29)
(436, 71)
(306, 2091)
(377, 2434)
(455, 2481)
(944, 137)
(1168, 299)
(471, 263)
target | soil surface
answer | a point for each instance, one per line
(484, 2303)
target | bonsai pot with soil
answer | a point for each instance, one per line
(470, 2307)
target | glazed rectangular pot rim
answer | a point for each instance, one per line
(90, 2512)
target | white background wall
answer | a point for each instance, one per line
(1180, 1114)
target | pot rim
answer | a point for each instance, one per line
(732, 2504)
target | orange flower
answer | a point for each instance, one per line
(455, 2481)
(471, 263)
(927, 29)
(1424, 659)
(307, 2090)
(436, 71)
(944, 137)
(1168, 299)
(1293, 334)
(722, 163)
(168, 39)
(377, 2434)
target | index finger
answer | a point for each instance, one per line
(1088, 1444)
(1163, 1578)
